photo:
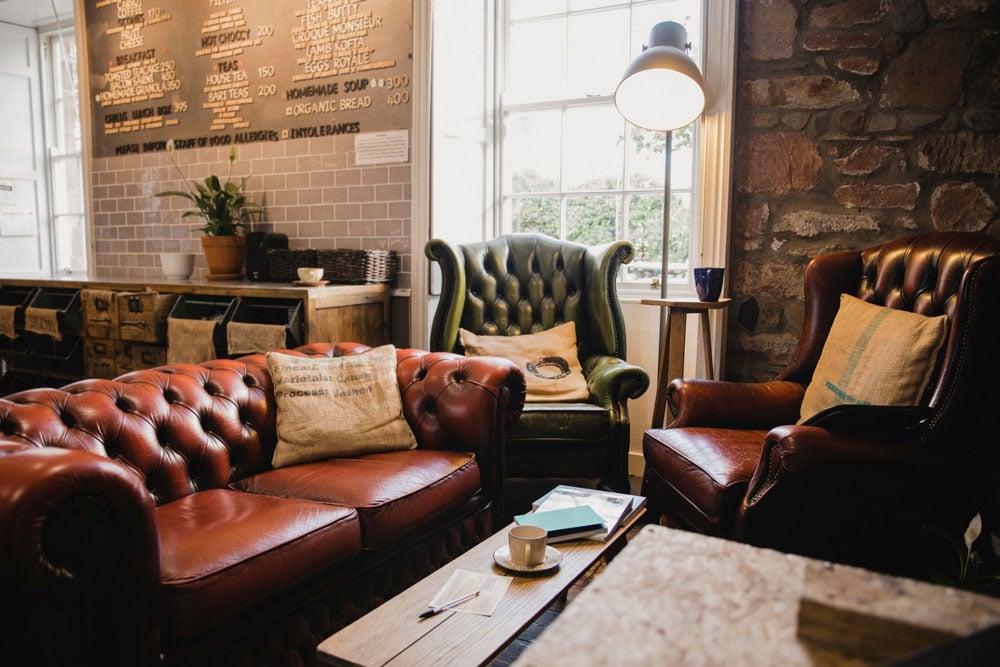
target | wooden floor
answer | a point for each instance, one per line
(511, 653)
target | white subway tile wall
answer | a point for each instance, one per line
(309, 188)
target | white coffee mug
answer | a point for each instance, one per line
(309, 275)
(527, 545)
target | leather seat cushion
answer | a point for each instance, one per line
(223, 551)
(393, 492)
(559, 440)
(706, 471)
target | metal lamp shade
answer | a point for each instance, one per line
(662, 88)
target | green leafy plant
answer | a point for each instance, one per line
(224, 207)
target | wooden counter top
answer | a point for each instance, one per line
(208, 287)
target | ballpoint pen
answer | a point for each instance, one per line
(448, 605)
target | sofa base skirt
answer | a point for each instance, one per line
(286, 631)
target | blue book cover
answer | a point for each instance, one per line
(577, 521)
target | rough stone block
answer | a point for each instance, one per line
(961, 207)
(902, 195)
(778, 163)
(813, 223)
(818, 91)
(929, 73)
(962, 152)
(848, 13)
(866, 159)
(841, 41)
(769, 29)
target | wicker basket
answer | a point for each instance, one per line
(355, 267)
(283, 265)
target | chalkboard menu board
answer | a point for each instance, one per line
(221, 72)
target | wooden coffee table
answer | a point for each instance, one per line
(393, 635)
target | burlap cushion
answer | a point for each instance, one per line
(343, 406)
(874, 356)
(548, 359)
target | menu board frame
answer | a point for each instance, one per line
(203, 73)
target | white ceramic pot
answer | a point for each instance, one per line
(177, 265)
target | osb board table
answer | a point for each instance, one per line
(392, 635)
(678, 598)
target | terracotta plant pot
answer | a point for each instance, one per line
(224, 256)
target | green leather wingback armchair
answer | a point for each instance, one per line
(525, 283)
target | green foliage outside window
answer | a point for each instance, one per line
(599, 218)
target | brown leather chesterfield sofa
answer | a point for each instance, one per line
(141, 522)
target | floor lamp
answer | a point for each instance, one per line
(662, 90)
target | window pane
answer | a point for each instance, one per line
(645, 231)
(593, 154)
(681, 168)
(531, 151)
(576, 5)
(71, 243)
(645, 158)
(594, 219)
(526, 9)
(537, 61)
(535, 214)
(67, 196)
(598, 52)
(680, 233)
(458, 66)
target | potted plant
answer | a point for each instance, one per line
(223, 207)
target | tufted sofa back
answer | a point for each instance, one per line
(525, 283)
(185, 427)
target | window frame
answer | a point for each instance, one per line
(52, 119)
(714, 149)
(635, 288)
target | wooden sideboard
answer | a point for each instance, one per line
(357, 313)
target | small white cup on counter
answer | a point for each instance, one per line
(310, 275)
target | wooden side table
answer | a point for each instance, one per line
(672, 350)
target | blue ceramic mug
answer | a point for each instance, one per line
(708, 282)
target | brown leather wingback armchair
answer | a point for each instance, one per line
(856, 483)
(525, 283)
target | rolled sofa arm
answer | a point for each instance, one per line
(612, 381)
(721, 404)
(462, 404)
(809, 477)
(79, 559)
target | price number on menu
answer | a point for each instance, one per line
(401, 97)
(398, 81)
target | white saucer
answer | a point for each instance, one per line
(552, 559)
(311, 283)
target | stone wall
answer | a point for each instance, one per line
(858, 122)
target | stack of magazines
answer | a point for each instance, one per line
(614, 509)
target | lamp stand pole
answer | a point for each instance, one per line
(665, 251)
